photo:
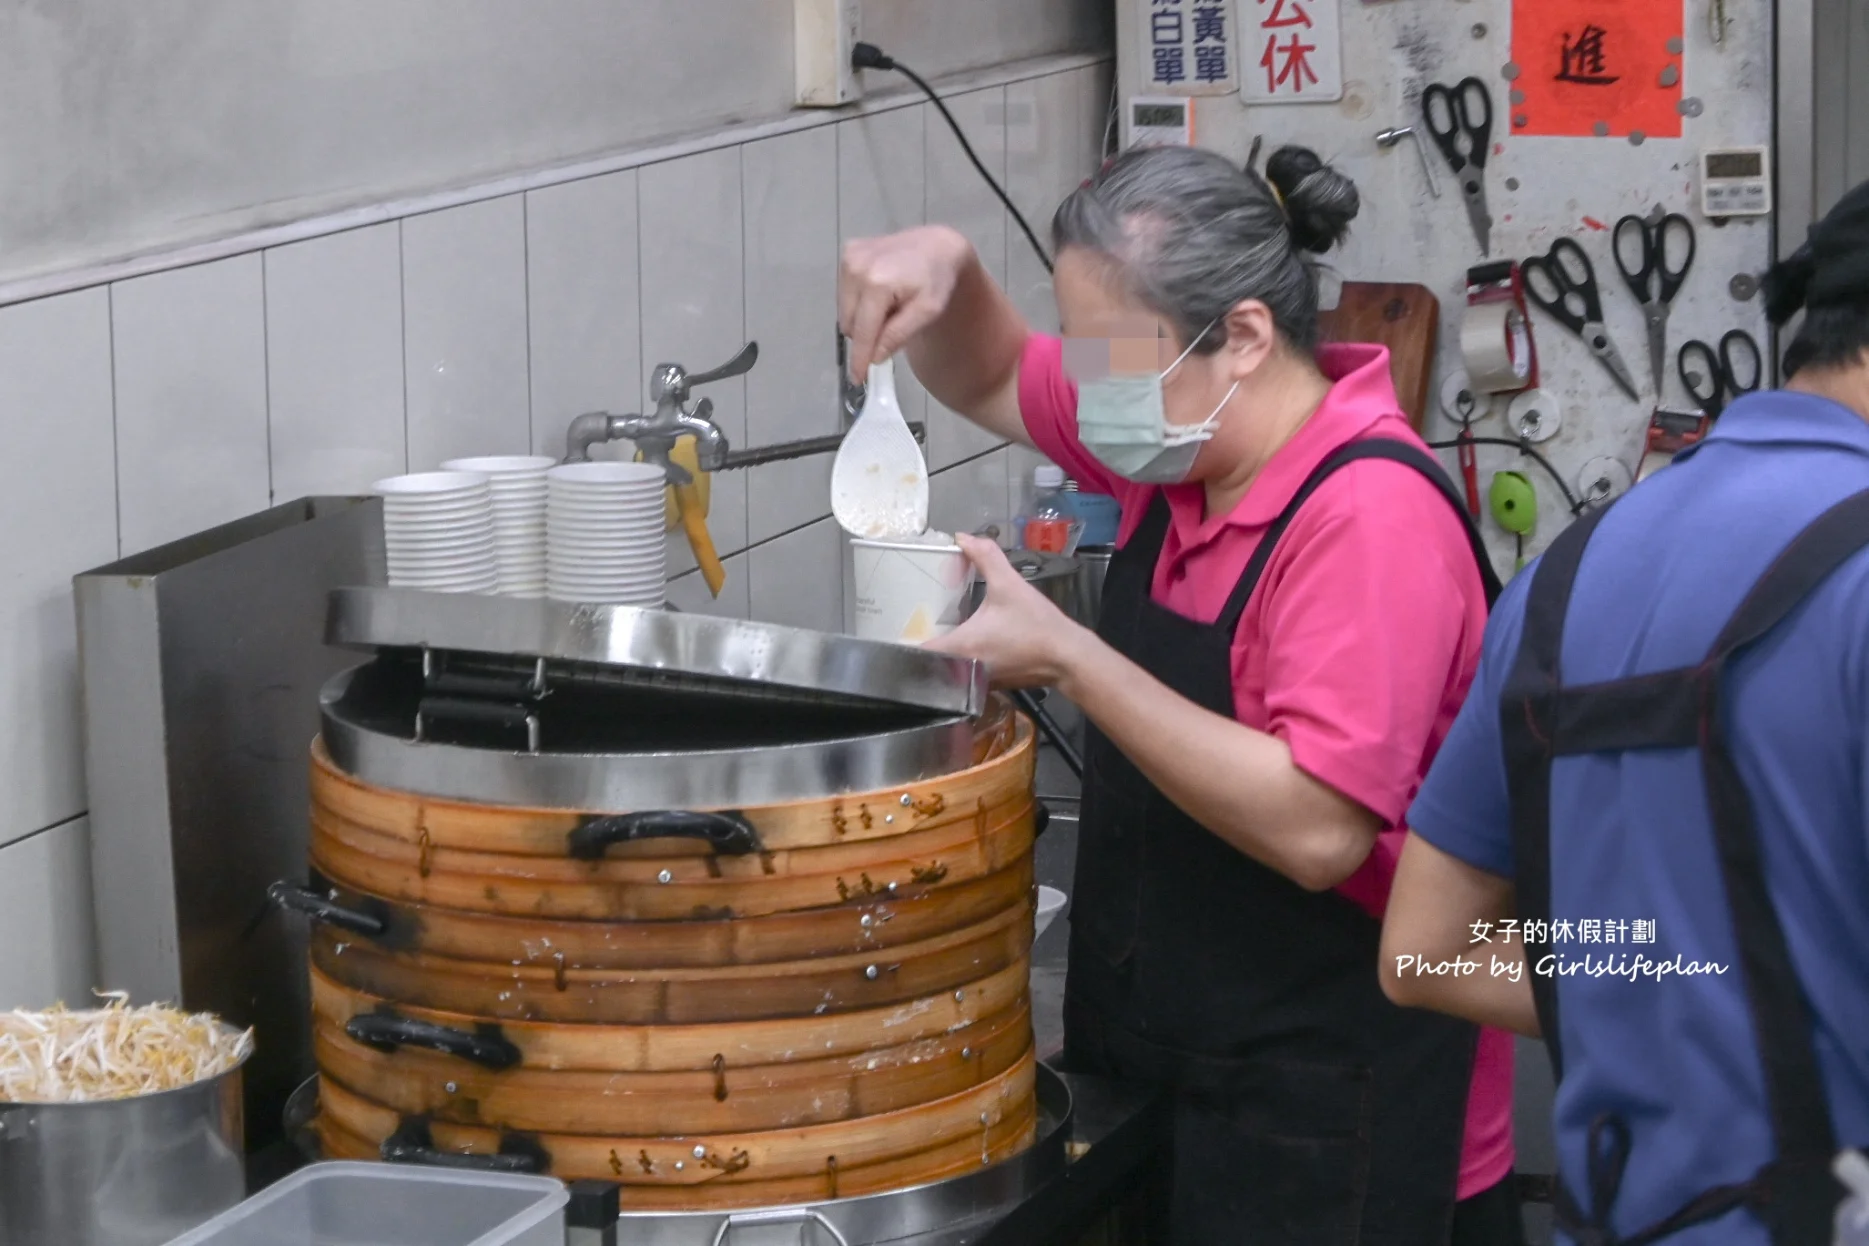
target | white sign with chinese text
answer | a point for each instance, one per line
(1188, 47)
(1291, 51)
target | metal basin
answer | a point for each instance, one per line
(124, 1172)
(1054, 575)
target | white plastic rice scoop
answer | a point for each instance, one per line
(879, 483)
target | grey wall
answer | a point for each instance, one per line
(127, 126)
(1841, 99)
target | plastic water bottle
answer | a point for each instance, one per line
(1048, 522)
(1852, 1223)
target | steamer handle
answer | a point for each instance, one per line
(800, 1216)
(730, 833)
(413, 1144)
(296, 899)
(386, 1032)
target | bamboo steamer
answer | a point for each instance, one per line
(840, 1010)
(675, 1048)
(915, 912)
(928, 1141)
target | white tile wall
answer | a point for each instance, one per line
(790, 196)
(58, 503)
(190, 352)
(797, 580)
(334, 362)
(694, 307)
(178, 401)
(958, 196)
(464, 332)
(45, 919)
(582, 292)
(881, 179)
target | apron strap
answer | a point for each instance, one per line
(1527, 733)
(1795, 1193)
(1395, 451)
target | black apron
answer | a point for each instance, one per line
(1542, 719)
(1309, 1111)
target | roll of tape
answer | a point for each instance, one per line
(1495, 344)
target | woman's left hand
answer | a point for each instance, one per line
(1022, 637)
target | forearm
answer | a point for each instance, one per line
(968, 357)
(1240, 784)
(1487, 984)
(1432, 956)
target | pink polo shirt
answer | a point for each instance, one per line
(1359, 643)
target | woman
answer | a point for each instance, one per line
(1266, 689)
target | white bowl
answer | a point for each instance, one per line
(606, 472)
(1050, 904)
(503, 465)
(430, 483)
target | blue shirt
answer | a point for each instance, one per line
(1630, 837)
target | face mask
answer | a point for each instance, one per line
(1122, 422)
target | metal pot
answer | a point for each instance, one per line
(1054, 575)
(1093, 565)
(125, 1172)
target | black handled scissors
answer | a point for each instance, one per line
(1652, 282)
(1711, 376)
(1576, 303)
(1458, 115)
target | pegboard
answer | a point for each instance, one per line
(1537, 189)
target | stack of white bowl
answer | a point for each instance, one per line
(438, 531)
(605, 526)
(518, 485)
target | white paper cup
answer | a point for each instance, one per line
(908, 593)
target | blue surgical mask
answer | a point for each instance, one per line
(1123, 423)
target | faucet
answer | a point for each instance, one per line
(669, 386)
(655, 435)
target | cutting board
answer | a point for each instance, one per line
(1405, 318)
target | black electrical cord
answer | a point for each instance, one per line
(1525, 448)
(869, 56)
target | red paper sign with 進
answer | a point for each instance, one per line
(1597, 67)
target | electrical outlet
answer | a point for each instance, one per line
(823, 33)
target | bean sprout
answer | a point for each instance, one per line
(113, 1052)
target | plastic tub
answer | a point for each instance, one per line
(340, 1204)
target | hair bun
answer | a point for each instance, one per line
(1319, 202)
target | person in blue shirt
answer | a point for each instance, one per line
(1647, 835)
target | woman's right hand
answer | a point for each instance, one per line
(891, 288)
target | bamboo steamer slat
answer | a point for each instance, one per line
(952, 1159)
(1005, 756)
(679, 996)
(912, 914)
(734, 1099)
(687, 868)
(729, 1158)
(672, 1048)
(995, 849)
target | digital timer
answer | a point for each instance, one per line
(1160, 121)
(1736, 181)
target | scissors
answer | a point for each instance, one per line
(1651, 280)
(1575, 303)
(1457, 107)
(1710, 375)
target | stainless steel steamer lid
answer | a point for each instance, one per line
(691, 652)
(620, 764)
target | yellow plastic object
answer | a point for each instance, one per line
(686, 509)
(683, 455)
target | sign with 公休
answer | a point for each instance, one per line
(1188, 47)
(1602, 68)
(1291, 51)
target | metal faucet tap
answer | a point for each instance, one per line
(655, 434)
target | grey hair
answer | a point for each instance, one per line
(1190, 234)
